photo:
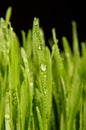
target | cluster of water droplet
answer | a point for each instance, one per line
(44, 80)
(7, 96)
(4, 46)
(2, 23)
(40, 47)
(7, 113)
(14, 98)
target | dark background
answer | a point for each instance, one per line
(58, 14)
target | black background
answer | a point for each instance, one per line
(58, 14)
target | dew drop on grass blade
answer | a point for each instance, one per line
(37, 41)
(34, 44)
(39, 51)
(28, 75)
(13, 78)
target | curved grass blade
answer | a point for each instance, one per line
(14, 74)
(69, 57)
(24, 39)
(8, 15)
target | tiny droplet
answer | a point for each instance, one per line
(44, 76)
(31, 84)
(45, 92)
(40, 47)
(43, 67)
(67, 54)
(7, 116)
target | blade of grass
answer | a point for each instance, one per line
(8, 15)
(13, 84)
(75, 41)
(75, 101)
(39, 118)
(29, 84)
(69, 57)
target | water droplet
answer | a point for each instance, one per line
(7, 116)
(45, 92)
(14, 99)
(40, 47)
(43, 67)
(44, 76)
(67, 54)
(14, 94)
(31, 84)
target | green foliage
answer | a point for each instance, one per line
(41, 89)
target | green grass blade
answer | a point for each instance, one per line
(13, 74)
(24, 39)
(29, 45)
(24, 103)
(49, 85)
(41, 89)
(69, 57)
(29, 83)
(39, 118)
(75, 101)
(75, 41)
(8, 15)
(56, 55)
(84, 114)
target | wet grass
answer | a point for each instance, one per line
(41, 89)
